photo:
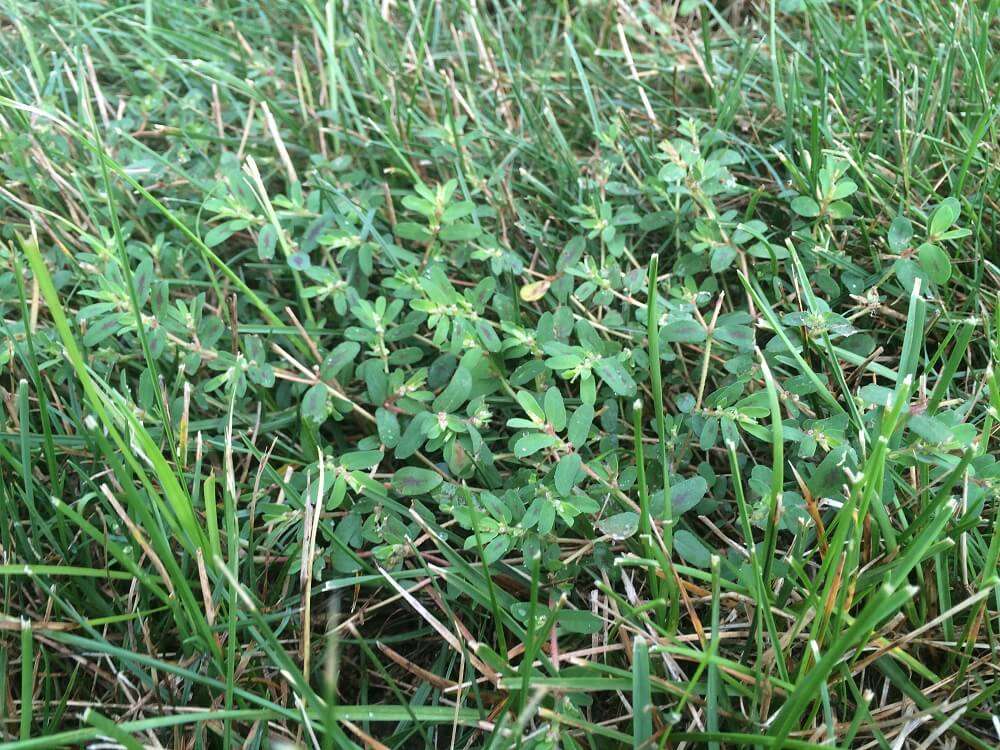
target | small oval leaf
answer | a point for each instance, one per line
(412, 480)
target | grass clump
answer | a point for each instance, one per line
(499, 374)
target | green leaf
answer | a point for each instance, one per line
(691, 549)
(532, 443)
(409, 230)
(830, 476)
(419, 205)
(299, 261)
(722, 258)
(683, 332)
(488, 335)
(579, 621)
(935, 263)
(460, 232)
(535, 290)
(222, 232)
(566, 473)
(388, 427)
(613, 372)
(456, 393)
(619, 526)
(496, 549)
(102, 329)
(877, 395)
(844, 189)
(944, 216)
(361, 460)
(414, 434)
(709, 434)
(267, 240)
(530, 405)
(686, 494)
(840, 209)
(143, 279)
(458, 211)
(954, 234)
(412, 480)
(571, 253)
(261, 374)
(907, 272)
(739, 336)
(579, 425)
(555, 409)
(930, 429)
(316, 404)
(805, 206)
(339, 358)
(900, 234)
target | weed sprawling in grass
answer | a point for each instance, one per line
(501, 374)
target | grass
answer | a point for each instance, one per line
(496, 374)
